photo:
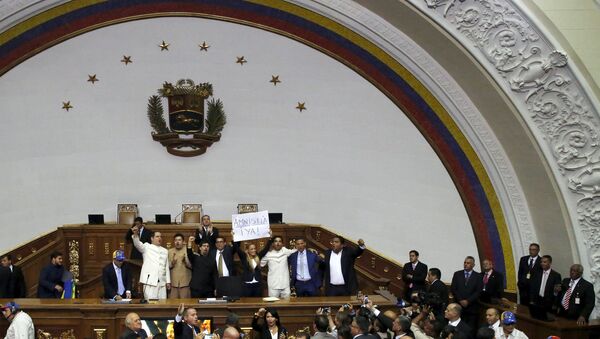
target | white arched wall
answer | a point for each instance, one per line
(543, 198)
(352, 161)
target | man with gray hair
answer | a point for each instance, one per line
(576, 299)
(134, 328)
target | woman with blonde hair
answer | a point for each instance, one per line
(251, 274)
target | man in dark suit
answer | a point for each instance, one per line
(493, 283)
(186, 323)
(145, 235)
(134, 327)
(437, 287)
(466, 287)
(576, 299)
(16, 286)
(4, 281)
(453, 314)
(51, 284)
(414, 273)
(304, 270)
(206, 232)
(528, 265)
(360, 328)
(543, 283)
(340, 276)
(204, 271)
(116, 278)
(222, 256)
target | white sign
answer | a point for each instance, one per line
(250, 226)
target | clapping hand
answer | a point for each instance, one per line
(361, 242)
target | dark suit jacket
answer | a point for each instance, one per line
(549, 299)
(418, 280)
(145, 237)
(522, 281)
(201, 236)
(109, 280)
(183, 330)
(129, 334)
(227, 258)
(494, 287)
(469, 291)
(50, 276)
(17, 288)
(349, 255)
(313, 261)
(464, 328)
(247, 272)
(263, 330)
(4, 282)
(204, 274)
(438, 287)
(587, 299)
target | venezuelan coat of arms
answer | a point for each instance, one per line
(191, 128)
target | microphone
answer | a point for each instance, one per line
(143, 300)
(180, 213)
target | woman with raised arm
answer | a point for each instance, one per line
(266, 324)
(251, 273)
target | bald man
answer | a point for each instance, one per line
(231, 333)
(134, 327)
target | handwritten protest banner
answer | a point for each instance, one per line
(250, 226)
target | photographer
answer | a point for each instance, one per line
(425, 326)
(400, 325)
(342, 318)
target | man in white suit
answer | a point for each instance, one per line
(155, 270)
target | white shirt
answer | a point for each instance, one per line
(302, 272)
(516, 334)
(335, 268)
(155, 268)
(225, 270)
(279, 274)
(572, 285)
(545, 275)
(21, 327)
(454, 323)
(418, 332)
(496, 325)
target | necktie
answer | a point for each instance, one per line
(120, 285)
(567, 297)
(220, 264)
(530, 263)
(543, 285)
(486, 277)
(467, 275)
(301, 256)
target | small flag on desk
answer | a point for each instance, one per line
(68, 286)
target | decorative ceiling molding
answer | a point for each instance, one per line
(454, 100)
(552, 97)
(440, 83)
(14, 11)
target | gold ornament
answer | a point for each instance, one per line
(164, 46)
(67, 105)
(274, 80)
(92, 78)
(126, 59)
(301, 106)
(241, 60)
(204, 46)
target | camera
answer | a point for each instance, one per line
(326, 310)
(347, 306)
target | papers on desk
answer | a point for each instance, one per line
(212, 301)
(270, 299)
(112, 301)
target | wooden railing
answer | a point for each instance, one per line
(95, 244)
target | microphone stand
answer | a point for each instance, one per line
(143, 300)
(180, 213)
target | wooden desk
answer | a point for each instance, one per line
(90, 318)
